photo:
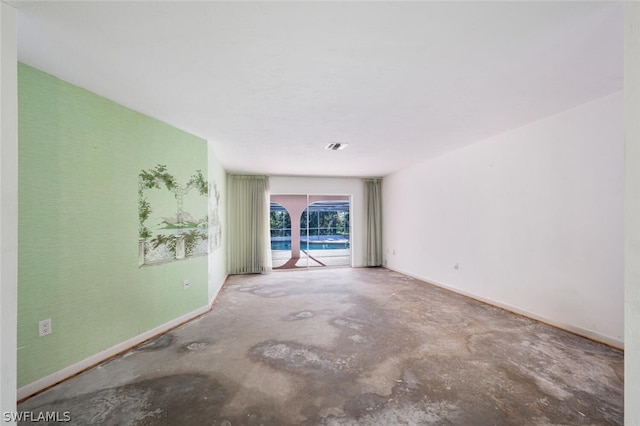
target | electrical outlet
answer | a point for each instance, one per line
(456, 266)
(44, 327)
(185, 284)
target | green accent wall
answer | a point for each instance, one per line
(79, 159)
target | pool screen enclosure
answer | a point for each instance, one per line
(310, 231)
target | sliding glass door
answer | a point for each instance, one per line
(310, 231)
(324, 233)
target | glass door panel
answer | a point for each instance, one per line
(310, 231)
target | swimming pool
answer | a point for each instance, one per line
(316, 242)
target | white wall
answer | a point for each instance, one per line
(533, 218)
(8, 209)
(632, 214)
(331, 186)
(218, 258)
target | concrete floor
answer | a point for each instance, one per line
(344, 347)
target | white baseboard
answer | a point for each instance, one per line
(589, 334)
(70, 371)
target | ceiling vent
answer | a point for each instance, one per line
(336, 146)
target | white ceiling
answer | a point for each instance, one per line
(271, 83)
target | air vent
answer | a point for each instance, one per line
(336, 146)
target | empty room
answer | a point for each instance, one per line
(320, 213)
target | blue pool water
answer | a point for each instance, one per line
(324, 242)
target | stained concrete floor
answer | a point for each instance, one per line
(346, 347)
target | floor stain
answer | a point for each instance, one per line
(161, 342)
(195, 346)
(349, 347)
(301, 359)
(178, 399)
(370, 409)
(297, 316)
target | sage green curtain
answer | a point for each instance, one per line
(373, 221)
(248, 220)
